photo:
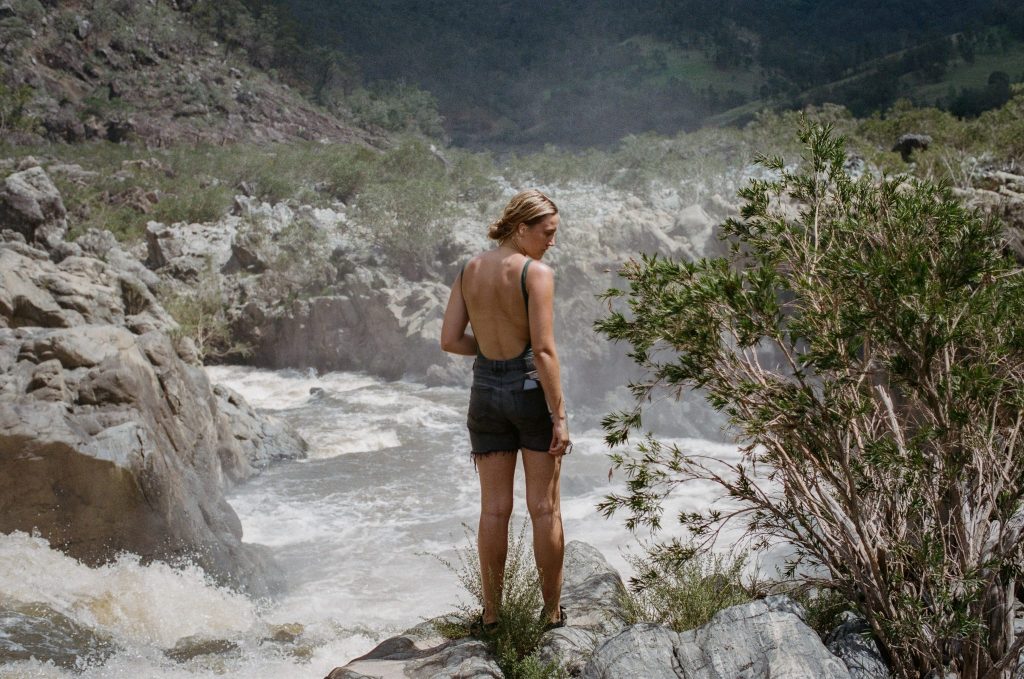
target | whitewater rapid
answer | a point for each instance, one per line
(360, 529)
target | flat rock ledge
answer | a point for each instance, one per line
(756, 640)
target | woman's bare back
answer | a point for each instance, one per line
(493, 292)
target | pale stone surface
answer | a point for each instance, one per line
(765, 638)
(31, 205)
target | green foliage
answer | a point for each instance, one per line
(201, 313)
(865, 339)
(405, 207)
(395, 107)
(520, 626)
(824, 608)
(13, 102)
(677, 586)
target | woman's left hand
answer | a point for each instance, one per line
(559, 437)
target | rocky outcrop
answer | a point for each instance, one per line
(31, 206)
(589, 595)
(1001, 194)
(111, 436)
(766, 638)
(756, 640)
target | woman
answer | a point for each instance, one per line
(516, 401)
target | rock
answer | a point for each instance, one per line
(82, 28)
(263, 439)
(102, 245)
(765, 638)
(909, 142)
(189, 250)
(37, 292)
(422, 652)
(31, 205)
(851, 642)
(591, 594)
(122, 451)
(375, 321)
(193, 647)
(35, 630)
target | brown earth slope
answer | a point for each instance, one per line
(114, 69)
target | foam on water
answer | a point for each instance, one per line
(145, 605)
(357, 527)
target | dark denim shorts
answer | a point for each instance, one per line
(502, 415)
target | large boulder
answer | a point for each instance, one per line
(111, 436)
(31, 205)
(374, 321)
(186, 251)
(110, 442)
(766, 638)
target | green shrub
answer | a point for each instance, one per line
(201, 313)
(865, 339)
(677, 586)
(405, 207)
(14, 100)
(520, 626)
(394, 107)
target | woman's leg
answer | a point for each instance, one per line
(543, 499)
(496, 471)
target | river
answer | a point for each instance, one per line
(360, 528)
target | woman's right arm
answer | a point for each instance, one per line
(540, 282)
(454, 338)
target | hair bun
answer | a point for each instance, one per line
(526, 207)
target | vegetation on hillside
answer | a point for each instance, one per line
(864, 337)
(508, 75)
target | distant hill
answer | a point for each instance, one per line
(579, 74)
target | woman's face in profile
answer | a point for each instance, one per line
(535, 240)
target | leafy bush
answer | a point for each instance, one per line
(677, 586)
(13, 102)
(405, 207)
(201, 313)
(395, 107)
(865, 339)
(520, 626)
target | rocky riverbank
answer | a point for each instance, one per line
(763, 638)
(111, 436)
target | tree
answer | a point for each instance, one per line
(865, 339)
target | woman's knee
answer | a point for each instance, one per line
(543, 507)
(498, 510)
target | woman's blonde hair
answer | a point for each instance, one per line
(526, 207)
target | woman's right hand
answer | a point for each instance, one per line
(559, 437)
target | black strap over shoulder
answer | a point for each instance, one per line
(522, 284)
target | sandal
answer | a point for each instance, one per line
(563, 618)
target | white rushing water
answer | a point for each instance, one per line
(358, 528)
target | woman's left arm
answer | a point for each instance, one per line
(454, 338)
